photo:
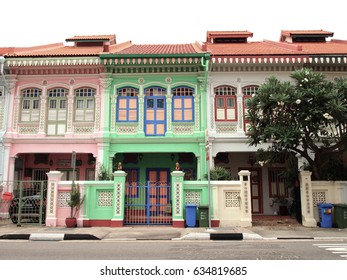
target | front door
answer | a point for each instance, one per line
(256, 190)
(155, 117)
(159, 191)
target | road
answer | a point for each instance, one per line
(174, 250)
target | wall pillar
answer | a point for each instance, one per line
(307, 214)
(246, 205)
(177, 198)
(118, 198)
(52, 197)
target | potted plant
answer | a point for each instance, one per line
(280, 206)
(75, 203)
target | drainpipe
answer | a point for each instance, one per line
(5, 118)
(206, 59)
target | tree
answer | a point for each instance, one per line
(307, 117)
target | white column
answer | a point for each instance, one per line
(52, 197)
(246, 205)
(308, 219)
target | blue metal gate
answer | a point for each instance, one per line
(149, 204)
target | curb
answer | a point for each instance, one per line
(48, 237)
(220, 236)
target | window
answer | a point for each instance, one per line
(127, 105)
(155, 111)
(277, 183)
(247, 92)
(84, 105)
(225, 103)
(57, 111)
(30, 105)
(183, 104)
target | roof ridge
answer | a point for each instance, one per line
(119, 47)
(285, 45)
(24, 50)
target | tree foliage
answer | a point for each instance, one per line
(306, 116)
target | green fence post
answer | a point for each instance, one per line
(177, 198)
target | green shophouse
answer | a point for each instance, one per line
(156, 97)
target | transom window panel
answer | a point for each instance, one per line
(57, 111)
(30, 105)
(249, 90)
(225, 103)
(277, 184)
(155, 91)
(84, 104)
(127, 105)
(183, 104)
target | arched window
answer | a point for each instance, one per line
(127, 104)
(225, 103)
(84, 104)
(30, 105)
(182, 104)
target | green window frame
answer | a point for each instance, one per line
(85, 104)
(30, 105)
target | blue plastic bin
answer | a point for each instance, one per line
(325, 215)
(191, 215)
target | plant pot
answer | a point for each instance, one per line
(283, 210)
(71, 222)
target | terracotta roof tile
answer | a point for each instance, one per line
(160, 49)
(278, 48)
(56, 50)
(92, 38)
(306, 32)
(227, 34)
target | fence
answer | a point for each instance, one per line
(314, 192)
(23, 201)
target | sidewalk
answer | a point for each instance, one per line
(9, 231)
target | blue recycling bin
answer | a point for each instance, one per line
(325, 215)
(191, 215)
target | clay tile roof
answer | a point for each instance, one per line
(269, 48)
(91, 38)
(160, 49)
(227, 34)
(58, 49)
(306, 32)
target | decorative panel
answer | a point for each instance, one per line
(193, 197)
(63, 199)
(232, 199)
(319, 197)
(104, 198)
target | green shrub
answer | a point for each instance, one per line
(220, 173)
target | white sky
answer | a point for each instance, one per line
(37, 22)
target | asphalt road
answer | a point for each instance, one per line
(174, 250)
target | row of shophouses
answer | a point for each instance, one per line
(144, 108)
